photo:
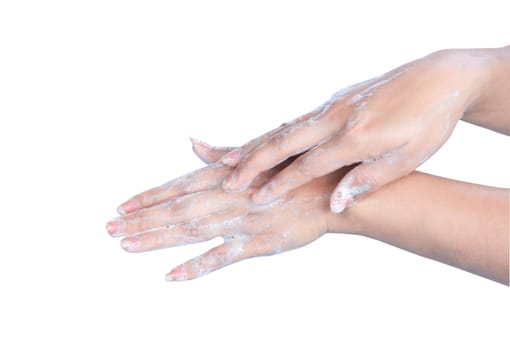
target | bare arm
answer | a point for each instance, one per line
(461, 224)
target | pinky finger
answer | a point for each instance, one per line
(237, 247)
(214, 259)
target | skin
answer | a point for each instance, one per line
(386, 126)
(183, 212)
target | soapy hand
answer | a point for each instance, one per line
(194, 208)
(387, 126)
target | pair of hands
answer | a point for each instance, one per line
(194, 208)
(278, 196)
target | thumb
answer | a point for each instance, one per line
(207, 153)
(368, 177)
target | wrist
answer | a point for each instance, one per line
(346, 222)
(489, 66)
(470, 70)
(491, 108)
(315, 196)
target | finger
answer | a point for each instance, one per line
(232, 158)
(207, 153)
(291, 141)
(193, 231)
(199, 180)
(210, 153)
(340, 151)
(369, 176)
(174, 211)
(216, 258)
(236, 248)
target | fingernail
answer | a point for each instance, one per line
(116, 227)
(340, 201)
(128, 207)
(232, 157)
(197, 142)
(177, 274)
(229, 182)
(130, 243)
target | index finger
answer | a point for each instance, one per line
(199, 180)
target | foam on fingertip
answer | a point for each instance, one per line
(344, 197)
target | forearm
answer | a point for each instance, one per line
(491, 109)
(461, 224)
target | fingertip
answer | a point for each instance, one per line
(201, 154)
(340, 200)
(131, 244)
(128, 207)
(116, 227)
(196, 142)
(345, 194)
(337, 204)
(121, 210)
(177, 274)
(232, 158)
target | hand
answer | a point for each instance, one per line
(194, 208)
(388, 126)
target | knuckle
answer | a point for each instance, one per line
(245, 165)
(253, 162)
(303, 118)
(137, 217)
(252, 217)
(177, 206)
(252, 223)
(276, 186)
(358, 124)
(335, 108)
(135, 223)
(191, 229)
(249, 146)
(279, 139)
(265, 244)
(302, 168)
(139, 225)
(354, 141)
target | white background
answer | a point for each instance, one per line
(97, 99)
